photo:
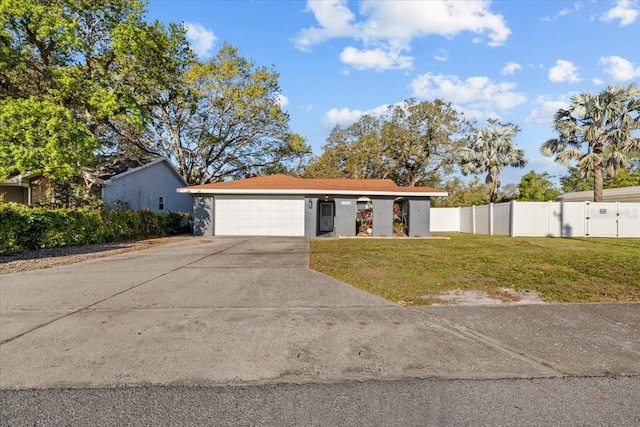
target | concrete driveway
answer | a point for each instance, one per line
(248, 310)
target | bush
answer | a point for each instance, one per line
(24, 227)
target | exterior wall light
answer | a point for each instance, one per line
(310, 204)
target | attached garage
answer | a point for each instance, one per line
(259, 215)
(281, 205)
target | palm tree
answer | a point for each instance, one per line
(490, 150)
(597, 132)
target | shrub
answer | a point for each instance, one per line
(24, 227)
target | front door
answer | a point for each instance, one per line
(326, 216)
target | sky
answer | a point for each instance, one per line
(516, 61)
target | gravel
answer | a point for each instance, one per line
(53, 257)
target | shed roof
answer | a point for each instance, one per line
(285, 184)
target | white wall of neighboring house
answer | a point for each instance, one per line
(540, 219)
(142, 188)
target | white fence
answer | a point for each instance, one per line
(531, 219)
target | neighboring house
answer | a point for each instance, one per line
(151, 186)
(624, 194)
(27, 189)
(281, 205)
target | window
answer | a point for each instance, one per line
(161, 203)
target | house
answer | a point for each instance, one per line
(281, 205)
(26, 189)
(136, 184)
(624, 194)
(149, 186)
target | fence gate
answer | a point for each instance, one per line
(601, 219)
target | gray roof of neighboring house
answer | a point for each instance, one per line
(116, 170)
(623, 194)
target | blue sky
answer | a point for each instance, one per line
(518, 61)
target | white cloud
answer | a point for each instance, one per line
(386, 28)
(546, 109)
(441, 55)
(620, 68)
(335, 19)
(377, 59)
(566, 11)
(511, 67)
(627, 11)
(473, 93)
(598, 82)
(282, 100)
(564, 71)
(345, 116)
(200, 38)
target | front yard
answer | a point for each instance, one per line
(413, 270)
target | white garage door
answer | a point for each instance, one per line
(259, 216)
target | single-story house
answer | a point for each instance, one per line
(23, 189)
(623, 194)
(136, 184)
(281, 205)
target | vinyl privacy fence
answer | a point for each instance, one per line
(537, 219)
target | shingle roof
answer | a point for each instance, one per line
(273, 183)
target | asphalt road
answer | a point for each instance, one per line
(507, 402)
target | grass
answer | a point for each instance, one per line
(560, 270)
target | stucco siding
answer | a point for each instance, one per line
(419, 211)
(382, 216)
(203, 215)
(143, 189)
(345, 216)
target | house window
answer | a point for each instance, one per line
(161, 203)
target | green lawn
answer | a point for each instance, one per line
(560, 270)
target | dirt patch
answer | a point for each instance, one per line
(501, 296)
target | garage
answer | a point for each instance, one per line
(259, 215)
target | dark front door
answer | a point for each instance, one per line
(326, 216)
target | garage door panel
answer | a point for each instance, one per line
(259, 216)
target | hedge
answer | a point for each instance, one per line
(25, 227)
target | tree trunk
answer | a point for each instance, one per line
(598, 184)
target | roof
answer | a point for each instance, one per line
(20, 180)
(285, 184)
(623, 194)
(110, 178)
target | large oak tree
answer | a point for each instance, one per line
(78, 75)
(225, 121)
(414, 143)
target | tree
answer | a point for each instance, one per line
(96, 65)
(356, 151)
(473, 193)
(537, 187)
(226, 121)
(415, 143)
(574, 181)
(596, 131)
(490, 150)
